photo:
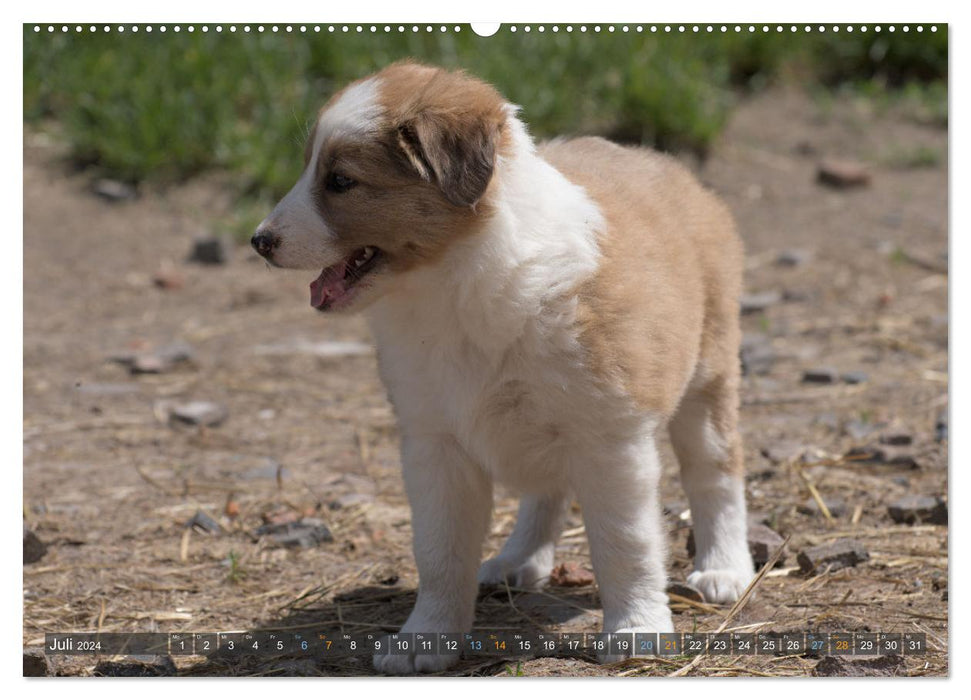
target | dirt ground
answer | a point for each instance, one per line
(111, 479)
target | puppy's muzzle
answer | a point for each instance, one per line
(265, 242)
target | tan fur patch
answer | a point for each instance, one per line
(660, 318)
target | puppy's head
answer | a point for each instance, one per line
(397, 168)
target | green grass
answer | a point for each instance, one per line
(167, 106)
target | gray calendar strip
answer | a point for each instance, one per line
(500, 643)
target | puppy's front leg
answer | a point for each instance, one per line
(451, 502)
(621, 510)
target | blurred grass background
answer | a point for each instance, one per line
(164, 107)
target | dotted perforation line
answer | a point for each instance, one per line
(513, 28)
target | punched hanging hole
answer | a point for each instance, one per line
(485, 28)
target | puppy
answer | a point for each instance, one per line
(541, 314)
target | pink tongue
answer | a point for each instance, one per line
(328, 286)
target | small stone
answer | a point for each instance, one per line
(167, 277)
(821, 375)
(763, 543)
(270, 469)
(897, 439)
(794, 257)
(783, 452)
(204, 523)
(901, 481)
(755, 303)
(34, 549)
(854, 377)
(209, 250)
(842, 174)
(161, 359)
(836, 507)
(834, 555)
(571, 574)
(882, 666)
(305, 533)
(913, 509)
(114, 191)
(205, 413)
(174, 353)
(685, 591)
(350, 499)
(883, 454)
(35, 663)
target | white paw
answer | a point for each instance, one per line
(408, 664)
(533, 574)
(721, 585)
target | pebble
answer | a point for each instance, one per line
(834, 555)
(34, 549)
(763, 541)
(270, 469)
(167, 277)
(754, 303)
(209, 250)
(914, 509)
(571, 574)
(205, 413)
(897, 439)
(837, 508)
(305, 533)
(821, 375)
(842, 174)
(783, 452)
(854, 377)
(204, 523)
(884, 454)
(794, 257)
(685, 591)
(113, 190)
(161, 359)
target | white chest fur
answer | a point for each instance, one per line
(482, 346)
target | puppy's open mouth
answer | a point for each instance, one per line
(338, 284)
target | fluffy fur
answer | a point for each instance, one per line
(540, 315)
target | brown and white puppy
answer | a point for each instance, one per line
(540, 315)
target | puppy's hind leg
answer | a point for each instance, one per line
(526, 559)
(705, 438)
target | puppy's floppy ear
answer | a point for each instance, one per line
(455, 151)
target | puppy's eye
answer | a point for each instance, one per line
(338, 183)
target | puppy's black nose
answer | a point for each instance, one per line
(264, 242)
